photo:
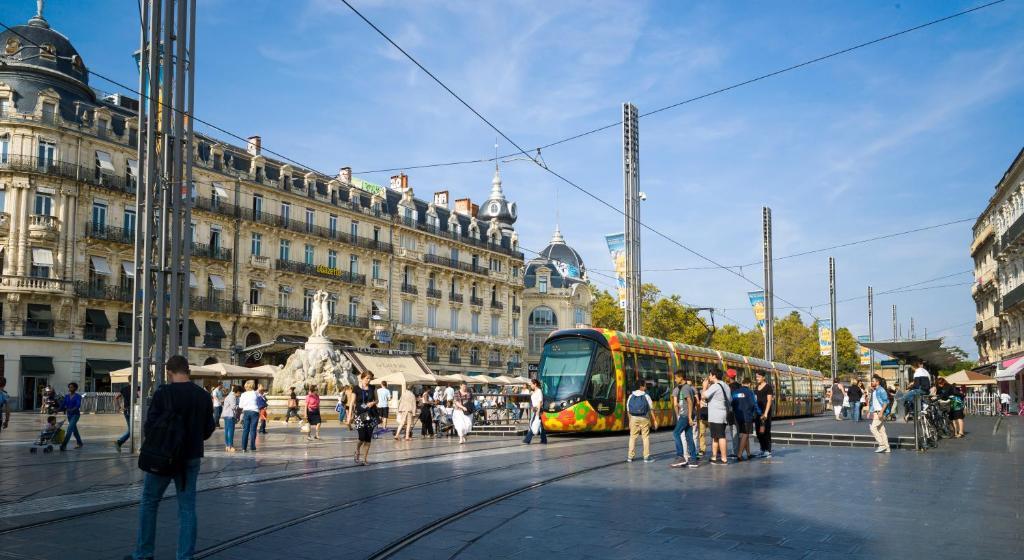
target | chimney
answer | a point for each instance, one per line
(441, 199)
(394, 185)
(252, 145)
(405, 181)
(345, 175)
(464, 206)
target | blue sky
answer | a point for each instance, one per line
(911, 132)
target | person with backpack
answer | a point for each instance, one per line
(879, 402)
(745, 411)
(72, 407)
(639, 407)
(179, 420)
(717, 396)
(683, 396)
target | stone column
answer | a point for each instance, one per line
(11, 251)
(22, 220)
(60, 258)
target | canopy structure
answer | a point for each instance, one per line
(521, 380)
(930, 351)
(504, 380)
(384, 363)
(1009, 370)
(124, 375)
(406, 378)
(268, 369)
(453, 378)
(964, 377)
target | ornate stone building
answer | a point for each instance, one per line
(557, 295)
(401, 272)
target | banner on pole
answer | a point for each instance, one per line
(617, 249)
(825, 337)
(864, 353)
(757, 302)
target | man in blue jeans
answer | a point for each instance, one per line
(195, 408)
(684, 401)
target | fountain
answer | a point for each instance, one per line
(318, 362)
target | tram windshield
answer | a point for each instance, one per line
(564, 366)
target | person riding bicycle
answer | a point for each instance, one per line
(920, 385)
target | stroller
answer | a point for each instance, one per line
(48, 438)
(443, 421)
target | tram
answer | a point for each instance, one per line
(587, 374)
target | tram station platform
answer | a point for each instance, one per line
(496, 498)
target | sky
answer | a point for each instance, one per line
(907, 133)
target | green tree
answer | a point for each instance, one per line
(606, 313)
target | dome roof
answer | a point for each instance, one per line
(497, 206)
(563, 258)
(18, 48)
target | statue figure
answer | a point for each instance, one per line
(325, 312)
(318, 316)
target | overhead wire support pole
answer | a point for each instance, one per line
(186, 301)
(832, 315)
(631, 205)
(769, 288)
(871, 329)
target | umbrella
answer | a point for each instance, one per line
(964, 377)
(481, 380)
(504, 380)
(267, 369)
(406, 378)
(124, 375)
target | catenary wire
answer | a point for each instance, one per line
(711, 93)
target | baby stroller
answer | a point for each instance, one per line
(48, 438)
(443, 421)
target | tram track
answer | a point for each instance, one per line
(408, 539)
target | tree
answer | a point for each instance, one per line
(729, 338)
(606, 313)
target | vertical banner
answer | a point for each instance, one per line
(864, 353)
(617, 249)
(757, 302)
(825, 337)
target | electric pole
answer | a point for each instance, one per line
(769, 286)
(832, 313)
(631, 189)
(871, 329)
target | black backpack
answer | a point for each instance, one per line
(161, 449)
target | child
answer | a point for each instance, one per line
(261, 403)
(51, 427)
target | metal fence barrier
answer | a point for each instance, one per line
(981, 404)
(101, 403)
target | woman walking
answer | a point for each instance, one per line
(365, 417)
(350, 406)
(426, 414)
(293, 406)
(406, 413)
(230, 413)
(72, 407)
(313, 412)
(462, 416)
(856, 395)
(250, 416)
(837, 394)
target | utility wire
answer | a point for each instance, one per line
(547, 168)
(711, 93)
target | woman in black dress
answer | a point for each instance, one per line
(426, 414)
(365, 417)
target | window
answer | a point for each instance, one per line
(254, 293)
(5, 144)
(282, 296)
(286, 213)
(353, 265)
(257, 244)
(472, 291)
(99, 215)
(285, 250)
(129, 224)
(455, 284)
(543, 317)
(310, 219)
(515, 272)
(453, 355)
(215, 240)
(47, 153)
(494, 293)
(332, 306)
(406, 276)
(44, 204)
(454, 254)
(332, 226)
(474, 356)
(257, 206)
(104, 166)
(432, 352)
(432, 316)
(493, 357)
(353, 229)
(515, 328)
(474, 322)
(476, 261)
(453, 319)
(542, 285)
(406, 347)
(308, 254)
(602, 376)
(654, 370)
(376, 234)
(353, 308)
(406, 312)
(495, 265)
(3, 200)
(580, 316)
(432, 281)
(307, 302)
(332, 259)
(376, 269)
(432, 248)
(495, 324)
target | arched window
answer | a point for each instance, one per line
(453, 355)
(543, 317)
(252, 339)
(432, 352)
(541, 322)
(474, 356)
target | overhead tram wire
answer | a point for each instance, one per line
(546, 167)
(711, 93)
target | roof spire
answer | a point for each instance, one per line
(38, 20)
(557, 237)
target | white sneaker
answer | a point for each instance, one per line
(881, 450)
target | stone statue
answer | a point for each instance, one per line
(319, 316)
(318, 362)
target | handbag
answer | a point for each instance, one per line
(535, 425)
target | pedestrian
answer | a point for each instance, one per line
(383, 400)
(855, 395)
(731, 433)
(744, 410)
(340, 407)
(124, 402)
(766, 403)
(313, 412)
(218, 403)
(683, 401)
(716, 394)
(449, 395)
(230, 413)
(72, 407)
(406, 413)
(462, 416)
(536, 407)
(702, 426)
(5, 407)
(350, 406)
(365, 417)
(950, 397)
(250, 416)
(426, 414)
(640, 409)
(1004, 402)
(264, 408)
(876, 409)
(293, 406)
(837, 394)
(194, 410)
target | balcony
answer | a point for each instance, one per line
(456, 264)
(292, 314)
(320, 271)
(258, 261)
(215, 305)
(497, 304)
(380, 283)
(86, 174)
(92, 332)
(476, 301)
(495, 363)
(409, 289)
(433, 293)
(257, 310)
(42, 227)
(280, 222)
(91, 290)
(516, 309)
(215, 206)
(33, 284)
(1013, 233)
(456, 298)
(104, 232)
(202, 250)
(350, 321)
(1013, 297)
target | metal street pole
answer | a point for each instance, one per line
(832, 313)
(894, 337)
(871, 329)
(631, 203)
(769, 286)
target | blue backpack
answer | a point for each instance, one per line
(637, 405)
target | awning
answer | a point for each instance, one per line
(42, 257)
(217, 281)
(104, 367)
(36, 365)
(963, 377)
(97, 318)
(391, 366)
(380, 306)
(39, 312)
(214, 330)
(193, 282)
(193, 329)
(929, 351)
(100, 265)
(219, 190)
(1010, 372)
(133, 167)
(129, 268)
(103, 160)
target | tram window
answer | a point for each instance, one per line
(702, 371)
(602, 376)
(803, 388)
(655, 371)
(785, 386)
(629, 369)
(564, 365)
(690, 368)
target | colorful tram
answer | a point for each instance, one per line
(586, 375)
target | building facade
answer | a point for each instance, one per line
(998, 253)
(557, 296)
(401, 272)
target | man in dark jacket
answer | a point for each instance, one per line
(195, 408)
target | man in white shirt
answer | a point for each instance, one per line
(536, 404)
(383, 398)
(1004, 400)
(218, 404)
(921, 384)
(449, 394)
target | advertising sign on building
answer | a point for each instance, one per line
(825, 337)
(367, 186)
(617, 249)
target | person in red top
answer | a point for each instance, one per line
(313, 413)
